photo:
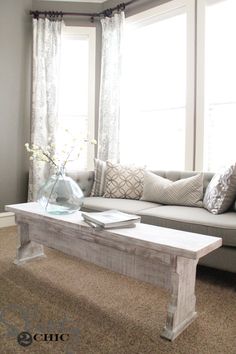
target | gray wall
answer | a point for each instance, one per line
(15, 38)
(67, 6)
(136, 7)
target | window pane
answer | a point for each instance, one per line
(154, 94)
(73, 99)
(220, 85)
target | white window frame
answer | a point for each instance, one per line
(90, 33)
(200, 81)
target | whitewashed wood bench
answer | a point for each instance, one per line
(161, 256)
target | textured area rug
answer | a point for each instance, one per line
(70, 306)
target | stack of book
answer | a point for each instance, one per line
(110, 219)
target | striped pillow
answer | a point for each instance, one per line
(186, 191)
(99, 178)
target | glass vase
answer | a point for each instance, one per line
(60, 194)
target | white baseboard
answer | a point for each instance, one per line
(7, 219)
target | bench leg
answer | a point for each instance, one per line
(181, 309)
(28, 249)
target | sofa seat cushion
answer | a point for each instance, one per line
(192, 219)
(125, 205)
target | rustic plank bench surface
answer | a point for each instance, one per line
(161, 256)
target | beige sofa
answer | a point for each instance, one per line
(192, 219)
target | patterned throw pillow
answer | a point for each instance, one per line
(186, 191)
(221, 191)
(99, 178)
(125, 182)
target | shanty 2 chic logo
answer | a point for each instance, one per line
(25, 338)
(65, 331)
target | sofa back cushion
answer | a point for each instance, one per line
(85, 180)
(99, 178)
(185, 191)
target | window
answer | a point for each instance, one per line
(218, 75)
(76, 92)
(155, 99)
(179, 86)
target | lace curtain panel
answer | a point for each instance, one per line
(109, 107)
(46, 59)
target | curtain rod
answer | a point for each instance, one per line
(106, 13)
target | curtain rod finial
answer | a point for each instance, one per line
(35, 14)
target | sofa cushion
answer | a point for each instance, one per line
(186, 191)
(85, 180)
(125, 205)
(99, 178)
(192, 219)
(221, 191)
(124, 182)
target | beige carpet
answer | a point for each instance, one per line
(104, 312)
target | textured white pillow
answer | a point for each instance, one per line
(125, 182)
(186, 191)
(221, 191)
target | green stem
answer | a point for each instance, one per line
(49, 158)
(53, 187)
(66, 160)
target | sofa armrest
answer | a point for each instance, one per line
(84, 179)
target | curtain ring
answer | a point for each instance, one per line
(108, 13)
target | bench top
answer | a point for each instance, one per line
(170, 241)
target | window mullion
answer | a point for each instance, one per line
(190, 87)
(200, 84)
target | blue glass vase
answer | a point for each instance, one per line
(60, 194)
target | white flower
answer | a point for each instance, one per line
(52, 156)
